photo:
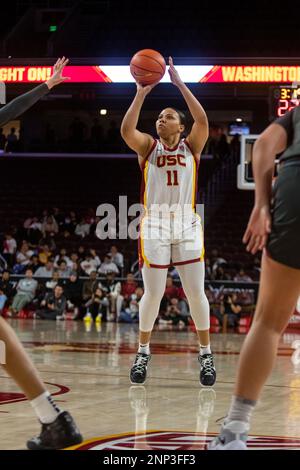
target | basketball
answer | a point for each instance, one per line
(147, 66)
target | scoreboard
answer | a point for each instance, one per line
(283, 99)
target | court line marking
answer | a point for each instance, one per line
(150, 377)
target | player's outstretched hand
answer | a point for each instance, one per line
(174, 75)
(57, 76)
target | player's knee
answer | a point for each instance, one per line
(269, 324)
(196, 297)
(154, 294)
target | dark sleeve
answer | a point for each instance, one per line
(20, 104)
(286, 121)
(61, 308)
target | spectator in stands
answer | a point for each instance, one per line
(171, 290)
(183, 302)
(129, 286)
(112, 289)
(91, 263)
(22, 258)
(59, 217)
(216, 260)
(88, 289)
(73, 290)
(45, 271)
(74, 265)
(89, 216)
(6, 289)
(117, 258)
(89, 286)
(241, 276)
(173, 272)
(130, 314)
(26, 290)
(34, 263)
(2, 140)
(62, 257)
(49, 241)
(53, 305)
(33, 230)
(44, 254)
(83, 228)
(45, 215)
(108, 265)
(64, 271)
(97, 305)
(173, 315)
(49, 227)
(134, 269)
(221, 275)
(70, 222)
(9, 249)
(210, 295)
(81, 253)
(53, 282)
(12, 141)
(231, 308)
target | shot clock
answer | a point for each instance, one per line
(283, 99)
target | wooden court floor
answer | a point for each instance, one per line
(88, 372)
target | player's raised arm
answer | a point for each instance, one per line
(199, 133)
(22, 103)
(138, 141)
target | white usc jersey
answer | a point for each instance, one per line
(170, 230)
(169, 176)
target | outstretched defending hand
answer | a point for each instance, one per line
(174, 75)
(57, 77)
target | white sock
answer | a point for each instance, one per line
(45, 407)
(205, 349)
(144, 348)
(240, 410)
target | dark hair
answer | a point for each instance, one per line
(182, 116)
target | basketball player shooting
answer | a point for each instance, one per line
(169, 167)
(58, 427)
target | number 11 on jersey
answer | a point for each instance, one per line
(172, 178)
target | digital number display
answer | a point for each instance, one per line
(285, 99)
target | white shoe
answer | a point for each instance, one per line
(233, 436)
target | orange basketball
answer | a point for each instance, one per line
(147, 66)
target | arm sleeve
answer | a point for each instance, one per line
(20, 104)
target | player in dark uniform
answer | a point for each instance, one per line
(274, 227)
(58, 427)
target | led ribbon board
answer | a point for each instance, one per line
(189, 74)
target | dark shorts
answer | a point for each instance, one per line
(284, 240)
